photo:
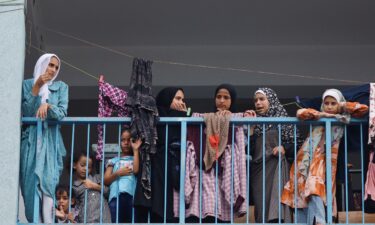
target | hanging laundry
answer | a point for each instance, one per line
(371, 127)
(370, 186)
(144, 115)
(217, 128)
(111, 100)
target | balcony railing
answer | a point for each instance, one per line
(88, 122)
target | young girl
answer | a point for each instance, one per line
(91, 184)
(62, 211)
(216, 164)
(311, 176)
(119, 175)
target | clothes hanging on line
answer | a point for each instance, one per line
(111, 100)
(371, 127)
(144, 115)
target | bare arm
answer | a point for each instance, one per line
(109, 177)
(135, 146)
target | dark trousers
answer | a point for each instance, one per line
(125, 205)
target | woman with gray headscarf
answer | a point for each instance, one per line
(40, 169)
(267, 104)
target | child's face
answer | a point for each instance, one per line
(223, 99)
(62, 199)
(80, 167)
(126, 142)
(261, 103)
(330, 105)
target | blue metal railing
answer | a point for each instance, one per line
(183, 123)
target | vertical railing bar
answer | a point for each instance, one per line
(87, 168)
(346, 176)
(279, 155)
(118, 181)
(55, 178)
(200, 173)
(310, 144)
(248, 174)
(165, 173)
(232, 177)
(38, 149)
(295, 174)
(102, 176)
(182, 170)
(216, 191)
(362, 196)
(263, 173)
(329, 171)
(71, 167)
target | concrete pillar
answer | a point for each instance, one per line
(12, 54)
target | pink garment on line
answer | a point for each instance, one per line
(111, 99)
(370, 180)
(371, 127)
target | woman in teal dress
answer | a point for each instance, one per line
(47, 99)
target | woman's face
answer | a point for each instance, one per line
(223, 100)
(261, 103)
(52, 67)
(330, 105)
(178, 100)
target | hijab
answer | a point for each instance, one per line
(275, 110)
(164, 100)
(233, 95)
(40, 68)
(336, 94)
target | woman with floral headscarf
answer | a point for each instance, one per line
(311, 189)
(40, 169)
(267, 104)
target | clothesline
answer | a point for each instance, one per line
(96, 78)
(198, 65)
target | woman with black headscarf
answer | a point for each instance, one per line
(217, 162)
(170, 103)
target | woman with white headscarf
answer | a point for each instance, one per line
(47, 99)
(311, 171)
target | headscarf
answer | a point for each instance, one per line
(40, 68)
(233, 96)
(165, 98)
(336, 94)
(275, 110)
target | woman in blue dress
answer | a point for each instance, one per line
(47, 99)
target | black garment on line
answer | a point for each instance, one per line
(142, 107)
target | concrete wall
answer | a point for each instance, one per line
(12, 55)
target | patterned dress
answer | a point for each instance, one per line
(311, 177)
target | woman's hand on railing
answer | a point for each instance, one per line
(223, 112)
(249, 113)
(277, 149)
(42, 111)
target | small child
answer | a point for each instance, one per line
(120, 175)
(311, 175)
(62, 212)
(91, 183)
